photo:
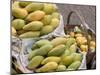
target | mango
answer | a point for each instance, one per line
(47, 67)
(66, 53)
(35, 16)
(46, 29)
(48, 8)
(13, 31)
(72, 34)
(55, 15)
(34, 6)
(19, 13)
(78, 35)
(70, 41)
(24, 3)
(57, 51)
(47, 19)
(54, 22)
(92, 44)
(19, 32)
(67, 60)
(35, 62)
(73, 48)
(61, 68)
(18, 24)
(42, 42)
(77, 29)
(74, 66)
(84, 48)
(15, 4)
(34, 25)
(51, 59)
(30, 34)
(58, 41)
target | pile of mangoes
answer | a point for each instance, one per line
(31, 19)
(58, 54)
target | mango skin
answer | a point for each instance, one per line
(35, 62)
(51, 59)
(58, 41)
(30, 34)
(55, 15)
(34, 6)
(74, 66)
(15, 4)
(13, 31)
(47, 67)
(57, 51)
(24, 3)
(19, 13)
(46, 30)
(35, 25)
(61, 68)
(18, 24)
(35, 16)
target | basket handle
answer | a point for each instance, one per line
(84, 25)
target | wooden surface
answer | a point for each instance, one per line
(88, 12)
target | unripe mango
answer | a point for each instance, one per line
(34, 6)
(15, 4)
(19, 13)
(18, 24)
(47, 19)
(48, 67)
(61, 68)
(24, 3)
(35, 16)
(58, 41)
(46, 29)
(51, 59)
(57, 51)
(55, 15)
(35, 25)
(19, 32)
(66, 53)
(30, 34)
(73, 48)
(74, 66)
(35, 62)
(54, 22)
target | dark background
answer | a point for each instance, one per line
(87, 11)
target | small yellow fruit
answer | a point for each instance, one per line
(84, 47)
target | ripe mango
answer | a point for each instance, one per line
(34, 6)
(47, 19)
(19, 13)
(51, 59)
(48, 8)
(67, 60)
(74, 66)
(46, 29)
(35, 16)
(55, 15)
(61, 68)
(35, 62)
(18, 24)
(13, 31)
(34, 25)
(58, 41)
(84, 47)
(57, 51)
(30, 34)
(54, 22)
(47, 67)
(24, 3)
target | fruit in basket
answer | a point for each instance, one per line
(15, 4)
(51, 59)
(35, 16)
(34, 25)
(92, 44)
(34, 6)
(30, 34)
(18, 24)
(70, 41)
(77, 29)
(47, 67)
(48, 8)
(74, 66)
(24, 3)
(61, 68)
(54, 22)
(66, 53)
(57, 51)
(19, 13)
(19, 32)
(55, 15)
(46, 29)
(47, 19)
(58, 41)
(67, 60)
(72, 34)
(78, 35)
(35, 62)
(84, 48)
(13, 31)
(73, 48)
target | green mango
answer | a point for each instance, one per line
(61, 68)
(24, 3)
(56, 15)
